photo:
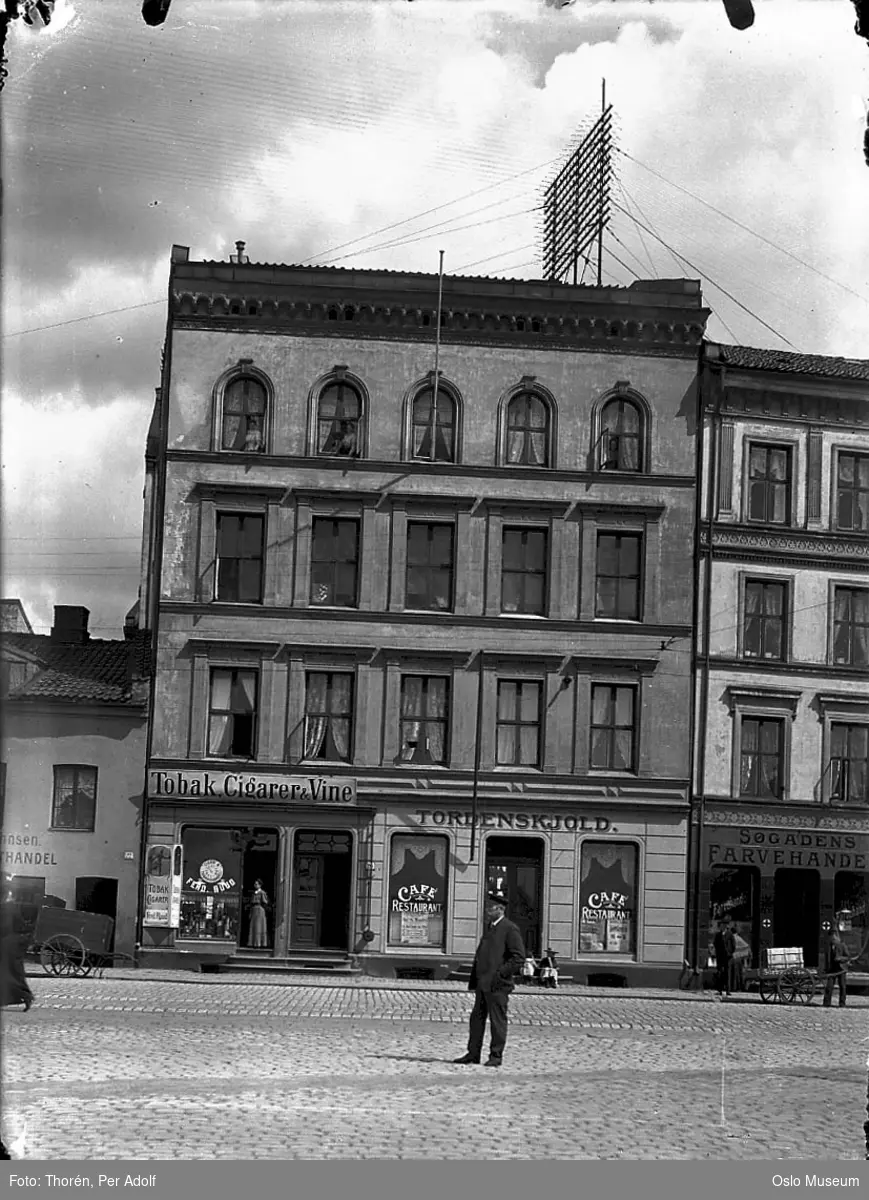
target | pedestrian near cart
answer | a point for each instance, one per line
(499, 956)
(725, 946)
(836, 967)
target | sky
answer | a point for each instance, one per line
(374, 133)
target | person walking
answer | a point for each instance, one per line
(836, 967)
(14, 988)
(499, 956)
(725, 946)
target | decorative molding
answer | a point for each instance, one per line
(782, 545)
(821, 820)
(209, 490)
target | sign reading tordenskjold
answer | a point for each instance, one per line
(243, 785)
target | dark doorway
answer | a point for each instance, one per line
(322, 877)
(735, 892)
(796, 911)
(94, 894)
(515, 867)
(259, 860)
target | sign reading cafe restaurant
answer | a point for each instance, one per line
(239, 785)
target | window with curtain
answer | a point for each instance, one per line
(523, 571)
(849, 763)
(334, 562)
(620, 442)
(429, 581)
(232, 713)
(851, 904)
(424, 725)
(433, 426)
(417, 890)
(613, 727)
(239, 558)
(244, 416)
(608, 898)
(769, 484)
(527, 431)
(851, 626)
(74, 804)
(339, 421)
(763, 634)
(852, 492)
(328, 715)
(618, 576)
(762, 758)
(518, 724)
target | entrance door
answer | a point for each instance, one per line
(322, 877)
(94, 894)
(259, 862)
(796, 911)
(515, 866)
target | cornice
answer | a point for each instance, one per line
(720, 663)
(787, 546)
(811, 816)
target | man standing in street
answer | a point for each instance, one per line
(499, 956)
(836, 967)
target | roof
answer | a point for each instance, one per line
(799, 364)
(98, 671)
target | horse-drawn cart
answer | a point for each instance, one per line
(70, 942)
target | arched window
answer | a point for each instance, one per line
(528, 431)
(620, 445)
(433, 426)
(243, 425)
(339, 420)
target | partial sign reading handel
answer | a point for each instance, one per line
(240, 785)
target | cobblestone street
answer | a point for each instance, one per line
(153, 1069)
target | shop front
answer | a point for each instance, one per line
(784, 877)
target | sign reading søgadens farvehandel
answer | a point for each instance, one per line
(244, 785)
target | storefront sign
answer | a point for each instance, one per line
(162, 897)
(777, 848)
(514, 820)
(20, 850)
(232, 785)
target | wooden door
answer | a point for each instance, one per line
(307, 900)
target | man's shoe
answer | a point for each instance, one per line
(492, 1062)
(466, 1059)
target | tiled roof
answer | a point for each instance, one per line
(802, 364)
(99, 671)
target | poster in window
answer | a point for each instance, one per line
(608, 898)
(417, 891)
(162, 899)
(210, 884)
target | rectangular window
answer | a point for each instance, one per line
(75, 798)
(613, 727)
(328, 715)
(769, 484)
(762, 758)
(518, 723)
(335, 562)
(608, 898)
(239, 558)
(417, 890)
(429, 582)
(849, 759)
(425, 708)
(851, 626)
(618, 576)
(852, 492)
(523, 571)
(763, 633)
(232, 713)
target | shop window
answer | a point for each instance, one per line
(523, 572)
(852, 492)
(75, 798)
(244, 416)
(433, 426)
(335, 562)
(613, 727)
(232, 713)
(328, 715)
(608, 898)
(424, 733)
(418, 890)
(518, 725)
(769, 484)
(619, 556)
(849, 768)
(762, 757)
(429, 583)
(851, 902)
(339, 421)
(620, 442)
(528, 431)
(735, 892)
(239, 558)
(211, 885)
(851, 626)
(763, 633)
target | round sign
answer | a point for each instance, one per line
(211, 870)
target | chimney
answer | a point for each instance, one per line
(70, 624)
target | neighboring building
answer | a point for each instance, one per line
(783, 665)
(377, 616)
(73, 751)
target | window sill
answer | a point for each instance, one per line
(68, 829)
(617, 772)
(324, 762)
(524, 616)
(619, 620)
(504, 767)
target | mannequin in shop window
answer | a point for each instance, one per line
(257, 934)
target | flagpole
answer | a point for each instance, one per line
(434, 395)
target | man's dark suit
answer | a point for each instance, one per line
(499, 956)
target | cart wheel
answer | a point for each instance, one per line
(768, 990)
(791, 984)
(64, 954)
(806, 989)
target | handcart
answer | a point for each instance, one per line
(786, 979)
(69, 942)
